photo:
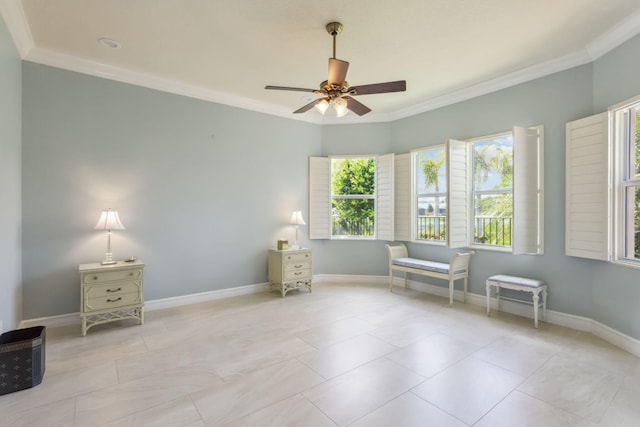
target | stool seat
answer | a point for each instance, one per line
(524, 284)
(524, 281)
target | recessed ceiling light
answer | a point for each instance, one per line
(110, 43)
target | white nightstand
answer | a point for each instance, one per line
(290, 269)
(111, 292)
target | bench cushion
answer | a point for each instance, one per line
(522, 281)
(420, 264)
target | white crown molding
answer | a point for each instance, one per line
(99, 69)
(13, 15)
(614, 37)
(517, 77)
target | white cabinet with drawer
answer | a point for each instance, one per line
(111, 292)
(290, 269)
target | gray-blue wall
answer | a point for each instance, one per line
(202, 188)
(205, 189)
(10, 164)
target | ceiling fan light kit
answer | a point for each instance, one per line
(336, 91)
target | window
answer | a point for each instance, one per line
(353, 192)
(630, 182)
(603, 185)
(351, 197)
(507, 182)
(430, 194)
(492, 190)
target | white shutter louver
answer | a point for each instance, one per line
(319, 198)
(527, 190)
(402, 226)
(457, 194)
(384, 197)
(587, 217)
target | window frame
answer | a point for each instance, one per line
(622, 234)
(373, 197)
(415, 196)
(472, 193)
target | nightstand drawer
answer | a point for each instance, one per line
(297, 275)
(297, 257)
(110, 276)
(117, 289)
(111, 302)
(298, 265)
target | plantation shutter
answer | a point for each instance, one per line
(319, 198)
(457, 194)
(384, 197)
(587, 217)
(402, 226)
(527, 190)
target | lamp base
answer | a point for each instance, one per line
(108, 258)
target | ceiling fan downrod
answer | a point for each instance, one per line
(334, 28)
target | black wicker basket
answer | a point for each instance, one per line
(22, 354)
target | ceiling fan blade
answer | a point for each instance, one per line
(397, 86)
(355, 106)
(308, 107)
(337, 72)
(297, 89)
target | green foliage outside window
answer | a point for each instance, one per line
(493, 212)
(352, 180)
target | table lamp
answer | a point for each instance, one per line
(109, 221)
(297, 220)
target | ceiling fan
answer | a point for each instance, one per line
(336, 91)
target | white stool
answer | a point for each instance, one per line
(519, 284)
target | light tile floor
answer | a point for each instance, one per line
(343, 355)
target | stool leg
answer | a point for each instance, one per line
(488, 298)
(536, 300)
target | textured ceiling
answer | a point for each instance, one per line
(228, 50)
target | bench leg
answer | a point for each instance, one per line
(465, 290)
(406, 285)
(450, 292)
(488, 287)
(390, 280)
(536, 301)
(544, 304)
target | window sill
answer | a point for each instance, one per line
(430, 242)
(627, 263)
(506, 250)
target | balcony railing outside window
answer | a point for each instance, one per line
(342, 226)
(492, 230)
(432, 227)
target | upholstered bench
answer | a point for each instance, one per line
(535, 287)
(458, 267)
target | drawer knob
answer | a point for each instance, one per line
(94, 278)
(131, 274)
(297, 273)
(297, 266)
(114, 300)
(114, 290)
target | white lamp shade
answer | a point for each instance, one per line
(341, 107)
(296, 218)
(322, 106)
(109, 220)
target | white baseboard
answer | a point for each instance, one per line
(158, 304)
(611, 335)
(580, 323)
